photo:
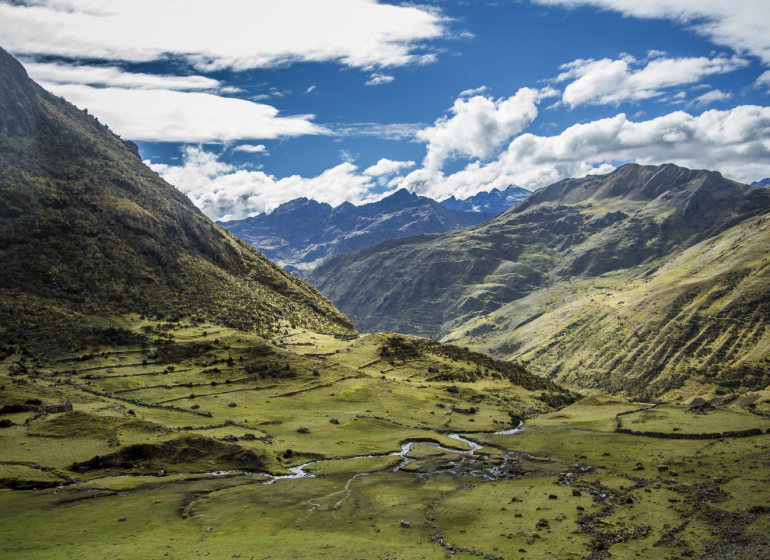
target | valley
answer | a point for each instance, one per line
(202, 441)
(166, 391)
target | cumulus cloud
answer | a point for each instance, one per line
(478, 126)
(742, 25)
(387, 167)
(163, 115)
(217, 34)
(225, 191)
(735, 142)
(608, 81)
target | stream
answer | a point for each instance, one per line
(469, 464)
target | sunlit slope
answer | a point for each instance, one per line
(696, 323)
(573, 229)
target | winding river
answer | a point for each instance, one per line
(468, 464)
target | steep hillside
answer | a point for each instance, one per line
(695, 323)
(301, 233)
(494, 201)
(574, 231)
(88, 229)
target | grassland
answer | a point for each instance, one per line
(198, 441)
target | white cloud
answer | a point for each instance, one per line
(742, 25)
(471, 92)
(250, 148)
(609, 81)
(311, 89)
(387, 167)
(112, 76)
(478, 126)
(163, 115)
(710, 97)
(764, 80)
(224, 191)
(389, 131)
(377, 79)
(348, 157)
(735, 142)
(237, 34)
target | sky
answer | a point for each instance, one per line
(246, 104)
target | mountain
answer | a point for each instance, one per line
(761, 183)
(554, 267)
(301, 233)
(89, 231)
(495, 201)
(165, 391)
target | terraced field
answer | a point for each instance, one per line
(200, 441)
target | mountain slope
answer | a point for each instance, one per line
(573, 231)
(693, 324)
(302, 232)
(88, 229)
(494, 201)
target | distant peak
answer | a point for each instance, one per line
(401, 193)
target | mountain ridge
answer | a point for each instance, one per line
(494, 201)
(302, 232)
(90, 229)
(456, 286)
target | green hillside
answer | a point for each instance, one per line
(89, 230)
(167, 392)
(550, 283)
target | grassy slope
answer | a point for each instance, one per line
(87, 228)
(591, 281)
(68, 504)
(694, 324)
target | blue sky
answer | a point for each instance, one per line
(245, 104)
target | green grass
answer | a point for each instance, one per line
(358, 410)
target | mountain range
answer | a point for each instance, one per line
(626, 282)
(301, 233)
(168, 392)
(495, 201)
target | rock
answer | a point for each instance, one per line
(576, 492)
(553, 497)
(334, 421)
(303, 430)
(406, 524)
(122, 518)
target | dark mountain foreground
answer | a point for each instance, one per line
(299, 234)
(166, 392)
(88, 230)
(649, 281)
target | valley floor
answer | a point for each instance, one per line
(187, 440)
